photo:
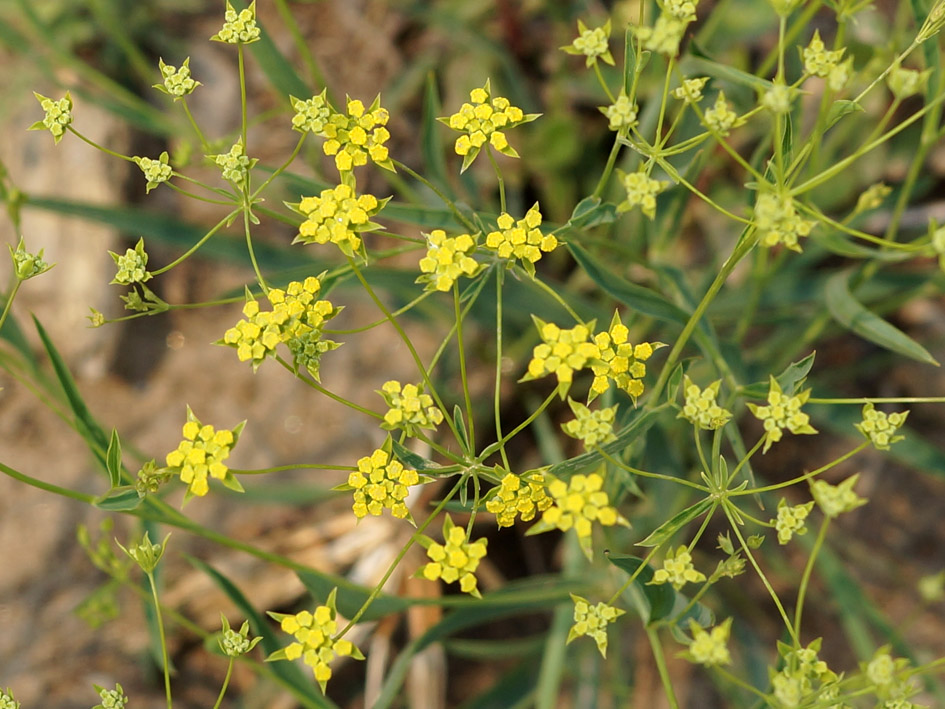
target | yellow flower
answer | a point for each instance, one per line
(358, 135)
(834, 500)
(58, 115)
(777, 221)
(592, 44)
(721, 118)
(447, 259)
(620, 361)
(879, 427)
(700, 408)
(592, 620)
(562, 352)
(238, 27)
(201, 454)
(311, 114)
(790, 520)
(176, 82)
(665, 35)
(677, 569)
(410, 408)
(483, 121)
(710, 648)
(593, 428)
(818, 60)
(518, 495)
(235, 164)
(691, 89)
(622, 113)
(641, 191)
(455, 560)
(381, 483)
(315, 640)
(339, 216)
(578, 503)
(782, 412)
(521, 239)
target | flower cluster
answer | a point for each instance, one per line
(665, 35)
(315, 640)
(778, 222)
(721, 118)
(805, 678)
(201, 454)
(238, 28)
(906, 82)
(880, 428)
(448, 258)
(234, 643)
(25, 264)
(872, 197)
(132, 265)
(892, 680)
(691, 89)
(834, 500)
(483, 121)
(790, 520)
(146, 554)
(155, 171)
(455, 560)
(358, 135)
(592, 620)
(520, 496)
(7, 701)
(677, 569)
(234, 164)
(578, 503)
(311, 114)
(58, 115)
(381, 483)
(592, 44)
(622, 113)
(521, 239)
(778, 98)
(339, 216)
(782, 412)
(296, 319)
(177, 82)
(641, 191)
(620, 361)
(410, 409)
(593, 428)
(562, 352)
(818, 60)
(710, 648)
(700, 408)
(111, 698)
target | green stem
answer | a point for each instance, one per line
(462, 369)
(498, 177)
(242, 70)
(187, 254)
(497, 393)
(522, 426)
(160, 625)
(331, 395)
(9, 303)
(282, 168)
(805, 578)
(251, 250)
(645, 474)
(801, 478)
(226, 682)
(608, 168)
(95, 145)
(204, 144)
(48, 487)
(603, 84)
(667, 681)
(439, 193)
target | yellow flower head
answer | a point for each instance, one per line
(448, 258)
(721, 118)
(155, 171)
(562, 353)
(578, 504)
(132, 265)
(879, 427)
(381, 483)
(315, 640)
(620, 361)
(235, 164)
(790, 520)
(592, 43)
(778, 222)
(691, 89)
(592, 620)
(456, 559)
(521, 239)
(710, 648)
(518, 496)
(410, 408)
(339, 216)
(700, 408)
(641, 191)
(176, 82)
(818, 60)
(58, 115)
(296, 319)
(677, 569)
(358, 135)
(622, 113)
(665, 35)
(593, 428)
(312, 114)
(201, 454)
(238, 27)
(482, 123)
(834, 500)
(782, 412)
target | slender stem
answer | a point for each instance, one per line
(882, 400)
(558, 299)
(204, 144)
(294, 466)
(226, 682)
(48, 487)
(331, 395)
(439, 193)
(805, 578)
(801, 478)
(251, 250)
(282, 168)
(462, 368)
(497, 394)
(645, 474)
(187, 254)
(603, 84)
(9, 303)
(160, 625)
(608, 168)
(667, 681)
(95, 145)
(364, 328)
(242, 70)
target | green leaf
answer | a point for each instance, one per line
(658, 598)
(590, 211)
(460, 424)
(641, 299)
(841, 108)
(113, 459)
(696, 65)
(351, 596)
(843, 245)
(12, 333)
(411, 459)
(672, 384)
(627, 435)
(87, 426)
(431, 138)
(787, 380)
(120, 499)
(847, 311)
(666, 530)
(288, 674)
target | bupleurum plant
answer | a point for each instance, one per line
(723, 236)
